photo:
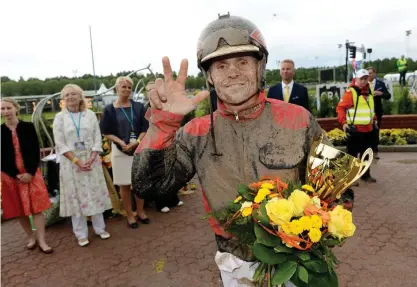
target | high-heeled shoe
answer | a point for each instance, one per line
(144, 220)
(32, 246)
(47, 251)
(133, 225)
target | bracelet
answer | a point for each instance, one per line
(138, 140)
(74, 160)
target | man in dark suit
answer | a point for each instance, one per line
(289, 91)
(380, 92)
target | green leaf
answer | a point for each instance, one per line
(261, 215)
(319, 280)
(267, 255)
(331, 242)
(245, 192)
(281, 248)
(297, 282)
(333, 258)
(304, 256)
(234, 207)
(302, 273)
(284, 272)
(333, 280)
(318, 266)
(263, 237)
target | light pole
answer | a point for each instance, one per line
(407, 42)
(340, 54)
(92, 57)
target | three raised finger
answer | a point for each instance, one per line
(154, 99)
(167, 69)
(182, 74)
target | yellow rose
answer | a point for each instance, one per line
(340, 224)
(246, 208)
(296, 227)
(262, 193)
(279, 210)
(314, 235)
(300, 200)
(306, 223)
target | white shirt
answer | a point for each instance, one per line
(290, 85)
(373, 83)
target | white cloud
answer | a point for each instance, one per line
(47, 38)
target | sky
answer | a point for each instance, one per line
(47, 38)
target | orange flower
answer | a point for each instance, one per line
(325, 216)
(312, 209)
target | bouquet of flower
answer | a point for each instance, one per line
(106, 154)
(290, 228)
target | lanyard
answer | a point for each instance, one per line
(77, 128)
(130, 120)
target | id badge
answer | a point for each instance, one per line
(80, 150)
(79, 146)
(132, 138)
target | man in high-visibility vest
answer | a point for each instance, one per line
(356, 113)
(402, 69)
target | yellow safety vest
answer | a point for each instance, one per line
(365, 111)
(401, 65)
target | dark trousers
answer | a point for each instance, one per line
(402, 77)
(166, 200)
(376, 135)
(358, 143)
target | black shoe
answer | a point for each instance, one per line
(369, 179)
(133, 225)
(144, 221)
(376, 156)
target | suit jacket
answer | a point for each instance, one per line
(29, 147)
(299, 95)
(380, 86)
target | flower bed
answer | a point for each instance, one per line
(387, 137)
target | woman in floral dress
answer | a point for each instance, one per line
(23, 189)
(83, 189)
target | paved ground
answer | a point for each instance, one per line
(177, 249)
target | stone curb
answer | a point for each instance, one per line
(391, 148)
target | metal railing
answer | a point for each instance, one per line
(40, 124)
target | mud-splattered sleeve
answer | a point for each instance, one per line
(163, 161)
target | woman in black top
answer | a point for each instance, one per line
(124, 124)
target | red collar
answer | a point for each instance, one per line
(250, 113)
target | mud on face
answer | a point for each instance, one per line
(235, 79)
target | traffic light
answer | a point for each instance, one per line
(352, 50)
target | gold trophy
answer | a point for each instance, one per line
(331, 172)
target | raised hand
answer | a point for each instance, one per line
(169, 95)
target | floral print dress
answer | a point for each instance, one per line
(81, 192)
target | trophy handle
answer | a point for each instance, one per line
(365, 164)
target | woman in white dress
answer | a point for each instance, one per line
(83, 190)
